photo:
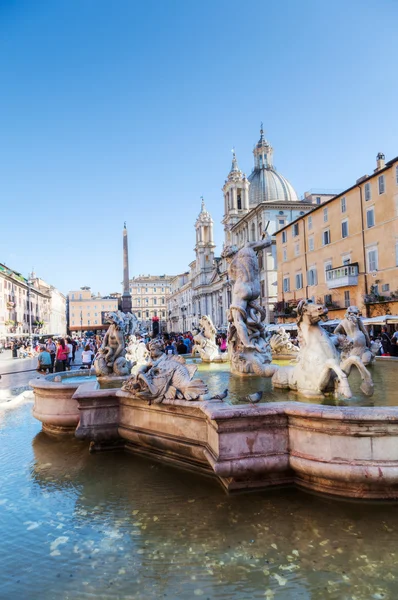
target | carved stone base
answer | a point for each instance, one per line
(58, 429)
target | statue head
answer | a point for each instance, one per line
(156, 348)
(313, 313)
(113, 319)
(353, 314)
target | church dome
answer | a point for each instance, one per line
(266, 184)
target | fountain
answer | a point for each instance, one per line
(163, 412)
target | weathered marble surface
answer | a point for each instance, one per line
(165, 377)
(281, 345)
(319, 368)
(353, 337)
(348, 452)
(110, 359)
(136, 352)
(205, 342)
(248, 340)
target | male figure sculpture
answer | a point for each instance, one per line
(247, 335)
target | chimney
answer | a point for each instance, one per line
(380, 162)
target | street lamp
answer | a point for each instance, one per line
(81, 322)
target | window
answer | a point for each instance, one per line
(309, 223)
(344, 229)
(95, 322)
(155, 301)
(162, 300)
(138, 301)
(286, 284)
(327, 299)
(297, 249)
(343, 205)
(154, 290)
(262, 288)
(284, 237)
(368, 192)
(370, 217)
(284, 254)
(325, 215)
(382, 187)
(147, 314)
(347, 301)
(239, 200)
(281, 222)
(299, 281)
(318, 199)
(372, 259)
(139, 314)
(163, 314)
(312, 277)
(385, 287)
(311, 243)
(295, 229)
(326, 237)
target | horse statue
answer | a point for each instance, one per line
(319, 368)
(205, 340)
(110, 359)
(353, 337)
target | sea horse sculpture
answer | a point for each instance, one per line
(247, 337)
(319, 368)
(165, 377)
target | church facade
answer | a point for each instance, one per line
(254, 206)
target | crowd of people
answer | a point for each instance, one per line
(60, 355)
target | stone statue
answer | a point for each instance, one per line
(205, 341)
(165, 376)
(110, 359)
(319, 368)
(137, 352)
(281, 344)
(353, 337)
(247, 337)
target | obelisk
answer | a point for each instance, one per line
(126, 297)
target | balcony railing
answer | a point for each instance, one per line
(342, 276)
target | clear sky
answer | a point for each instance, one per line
(127, 110)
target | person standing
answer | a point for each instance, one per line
(61, 356)
(386, 341)
(70, 353)
(51, 349)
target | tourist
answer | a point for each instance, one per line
(223, 344)
(70, 353)
(187, 343)
(44, 363)
(62, 354)
(51, 349)
(169, 349)
(181, 347)
(386, 342)
(87, 357)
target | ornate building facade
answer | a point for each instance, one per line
(29, 305)
(262, 203)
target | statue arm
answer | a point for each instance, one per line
(259, 244)
(339, 329)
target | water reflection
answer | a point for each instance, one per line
(113, 525)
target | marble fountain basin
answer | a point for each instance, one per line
(343, 450)
(54, 404)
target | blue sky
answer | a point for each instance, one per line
(113, 111)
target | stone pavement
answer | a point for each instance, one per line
(22, 369)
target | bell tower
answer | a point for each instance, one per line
(205, 245)
(236, 198)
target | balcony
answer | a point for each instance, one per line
(343, 276)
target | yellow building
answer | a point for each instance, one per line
(345, 251)
(87, 311)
